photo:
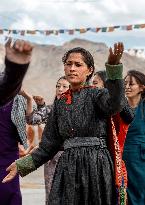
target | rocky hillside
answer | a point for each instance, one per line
(46, 66)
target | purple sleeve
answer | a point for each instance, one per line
(11, 80)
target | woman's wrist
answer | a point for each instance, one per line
(29, 98)
(114, 72)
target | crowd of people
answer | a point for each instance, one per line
(93, 143)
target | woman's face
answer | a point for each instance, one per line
(61, 87)
(98, 82)
(76, 70)
(132, 88)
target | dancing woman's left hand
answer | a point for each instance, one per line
(12, 169)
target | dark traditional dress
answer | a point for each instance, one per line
(10, 84)
(134, 157)
(78, 121)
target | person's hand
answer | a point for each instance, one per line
(12, 169)
(20, 52)
(34, 148)
(39, 100)
(25, 94)
(23, 152)
(115, 54)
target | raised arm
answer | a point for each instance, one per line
(29, 101)
(39, 115)
(112, 100)
(16, 64)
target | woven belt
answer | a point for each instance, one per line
(84, 142)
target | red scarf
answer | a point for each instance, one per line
(68, 94)
(117, 135)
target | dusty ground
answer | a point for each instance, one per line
(32, 187)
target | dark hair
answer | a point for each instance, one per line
(87, 57)
(102, 74)
(140, 78)
(61, 78)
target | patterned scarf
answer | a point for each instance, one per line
(68, 94)
(18, 117)
(117, 135)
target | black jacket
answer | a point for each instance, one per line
(11, 80)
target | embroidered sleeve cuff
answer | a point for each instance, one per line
(114, 72)
(25, 165)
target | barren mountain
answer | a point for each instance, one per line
(46, 66)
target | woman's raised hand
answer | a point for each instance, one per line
(25, 94)
(115, 54)
(39, 100)
(19, 52)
